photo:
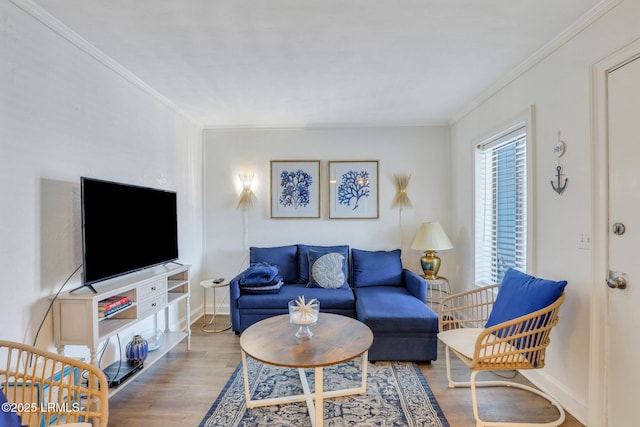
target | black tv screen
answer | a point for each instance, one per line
(126, 228)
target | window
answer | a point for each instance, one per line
(501, 206)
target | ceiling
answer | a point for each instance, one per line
(237, 63)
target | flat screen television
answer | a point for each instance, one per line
(125, 228)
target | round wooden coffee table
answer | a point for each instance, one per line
(336, 339)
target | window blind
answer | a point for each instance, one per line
(501, 207)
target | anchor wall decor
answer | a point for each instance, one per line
(560, 187)
(558, 151)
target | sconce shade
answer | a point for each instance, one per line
(246, 197)
(402, 198)
(431, 238)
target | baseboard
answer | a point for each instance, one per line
(223, 310)
(562, 394)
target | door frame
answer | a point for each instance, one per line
(599, 354)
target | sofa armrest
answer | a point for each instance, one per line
(234, 294)
(415, 284)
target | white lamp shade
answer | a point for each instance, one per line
(431, 236)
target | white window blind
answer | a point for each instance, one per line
(501, 206)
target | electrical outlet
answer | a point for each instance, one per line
(584, 240)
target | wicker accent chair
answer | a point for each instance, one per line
(516, 344)
(48, 389)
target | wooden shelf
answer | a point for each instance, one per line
(174, 297)
(171, 339)
(76, 321)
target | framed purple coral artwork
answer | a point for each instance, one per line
(295, 189)
(353, 189)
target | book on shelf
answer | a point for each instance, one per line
(115, 309)
(112, 302)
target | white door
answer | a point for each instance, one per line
(624, 245)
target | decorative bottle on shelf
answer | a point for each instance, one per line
(137, 349)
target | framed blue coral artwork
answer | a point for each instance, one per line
(295, 189)
(353, 189)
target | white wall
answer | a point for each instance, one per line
(64, 114)
(559, 87)
(420, 151)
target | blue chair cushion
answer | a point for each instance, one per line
(303, 259)
(326, 270)
(521, 294)
(376, 268)
(283, 257)
(8, 418)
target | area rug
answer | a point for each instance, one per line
(397, 395)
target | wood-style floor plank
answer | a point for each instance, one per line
(179, 389)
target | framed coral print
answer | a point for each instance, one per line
(295, 189)
(353, 189)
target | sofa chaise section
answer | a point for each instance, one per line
(391, 301)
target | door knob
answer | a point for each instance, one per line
(618, 228)
(616, 281)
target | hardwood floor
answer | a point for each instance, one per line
(179, 389)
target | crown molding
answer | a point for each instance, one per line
(74, 38)
(560, 40)
(337, 125)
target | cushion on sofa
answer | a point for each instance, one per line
(521, 294)
(326, 270)
(376, 268)
(393, 309)
(303, 259)
(283, 257)
(330, 299)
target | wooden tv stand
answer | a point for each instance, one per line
(76, 321)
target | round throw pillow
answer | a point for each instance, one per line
(327, 272)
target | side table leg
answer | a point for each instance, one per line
(365, 366)
(213, 321)
(319, 398)
(245, 373)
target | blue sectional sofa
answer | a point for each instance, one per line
(371, 286)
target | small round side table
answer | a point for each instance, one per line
(437, 290)
(208, 284)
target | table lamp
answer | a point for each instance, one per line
(431, 238)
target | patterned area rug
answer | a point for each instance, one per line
(397, 395)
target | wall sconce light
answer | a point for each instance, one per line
(246, 197)
(402, 198)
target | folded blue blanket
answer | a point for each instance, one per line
(259, 274)
(269, 288)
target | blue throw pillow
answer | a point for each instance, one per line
(303, 259)
(377, 268)
(521, 294)
(7, 418)
(283, 257)
(326, 270)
